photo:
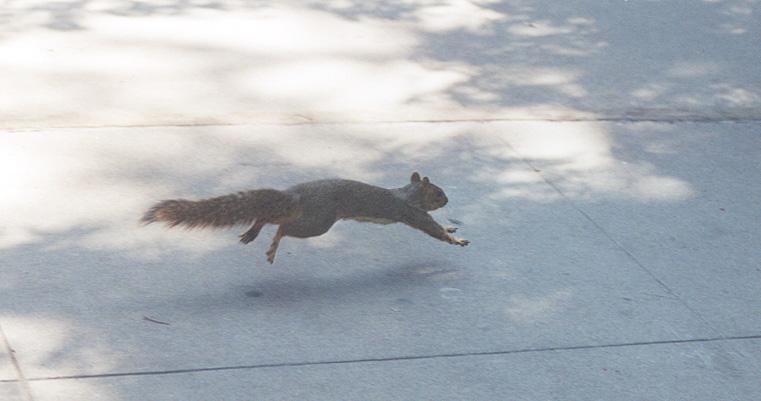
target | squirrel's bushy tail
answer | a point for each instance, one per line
(224, 211)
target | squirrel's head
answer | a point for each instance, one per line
(423, 194)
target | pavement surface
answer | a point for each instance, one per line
(603, 157)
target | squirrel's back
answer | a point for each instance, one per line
(349, 198)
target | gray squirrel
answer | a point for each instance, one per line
(310, 209)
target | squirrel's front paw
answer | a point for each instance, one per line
(458, 241)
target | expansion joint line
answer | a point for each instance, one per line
(612, 239)
(328, 122)
(21, 380)
(400, 358)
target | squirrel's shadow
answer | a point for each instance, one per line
(360, 285)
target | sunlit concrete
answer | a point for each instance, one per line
(701, 212)
(126, 62)
(11, 392)
(7, 371)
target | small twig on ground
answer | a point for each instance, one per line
(155, 321)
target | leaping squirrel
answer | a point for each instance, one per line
(310, 209)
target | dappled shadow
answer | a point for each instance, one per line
(77, 265)
(100, 182)
(112, 62)
(79, 274)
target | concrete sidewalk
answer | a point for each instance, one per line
(602, 157)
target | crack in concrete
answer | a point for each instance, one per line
(612, 239)
(625, 120)
(21, 380)
(395, 358)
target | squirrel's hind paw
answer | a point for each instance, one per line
(247, 237)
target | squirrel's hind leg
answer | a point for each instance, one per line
(275, 243)
(252, 232)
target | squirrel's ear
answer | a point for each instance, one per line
(415, 177)
(426, 180)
